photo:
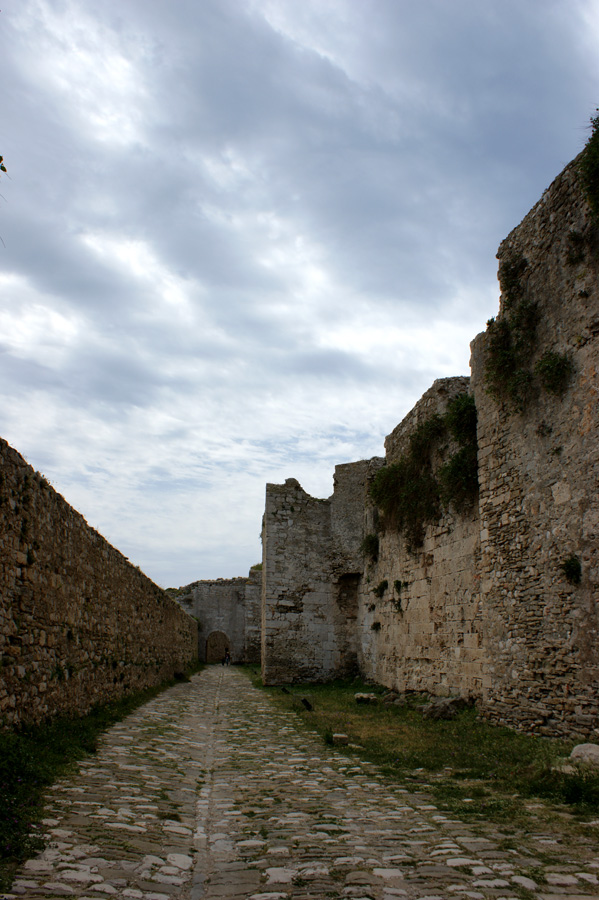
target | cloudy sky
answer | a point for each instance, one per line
(240, 238)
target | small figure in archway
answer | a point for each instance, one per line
(227, 657)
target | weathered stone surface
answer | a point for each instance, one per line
(586, 753)
(423, 633)
(311, 569)
(79, 624)
(228, 614)
(443, 708)
(538, 475)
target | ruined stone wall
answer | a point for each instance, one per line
(539, 472)
(227, 611)
(484, 607)
(79, 624)
(311, 570)
(423, 633)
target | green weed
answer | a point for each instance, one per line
(555, 371)
(472, 768)
(408, 493)
(511, 339)
(572, 569)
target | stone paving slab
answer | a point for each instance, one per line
(209, 792)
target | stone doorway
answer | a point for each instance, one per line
(216, 645)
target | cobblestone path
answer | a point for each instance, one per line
(209, 792)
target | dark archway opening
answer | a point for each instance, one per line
(216, 646)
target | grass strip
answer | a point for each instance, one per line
(33, 757)
(472, 768)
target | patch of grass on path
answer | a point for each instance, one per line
(33, 758)
(472, 768)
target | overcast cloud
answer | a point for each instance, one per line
(242, 237)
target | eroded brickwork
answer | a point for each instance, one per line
(79, 624)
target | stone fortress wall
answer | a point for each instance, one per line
(326, 612)
(227, 611)
(422, 631)
(79, 624)
(483, 607)
(539, 477)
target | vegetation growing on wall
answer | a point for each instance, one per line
(408, 493)
(512, 271)
(511, 339)
(379, 590)
(458, 477)
(555, 371)
(400, 585)
(589, 168)
(509, 373)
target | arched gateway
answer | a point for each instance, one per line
(216, 645)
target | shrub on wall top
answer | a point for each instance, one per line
(407, 492)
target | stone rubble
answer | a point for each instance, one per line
(210, 792)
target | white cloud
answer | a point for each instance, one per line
(81, 65)
(30, 328)
(242, 238)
